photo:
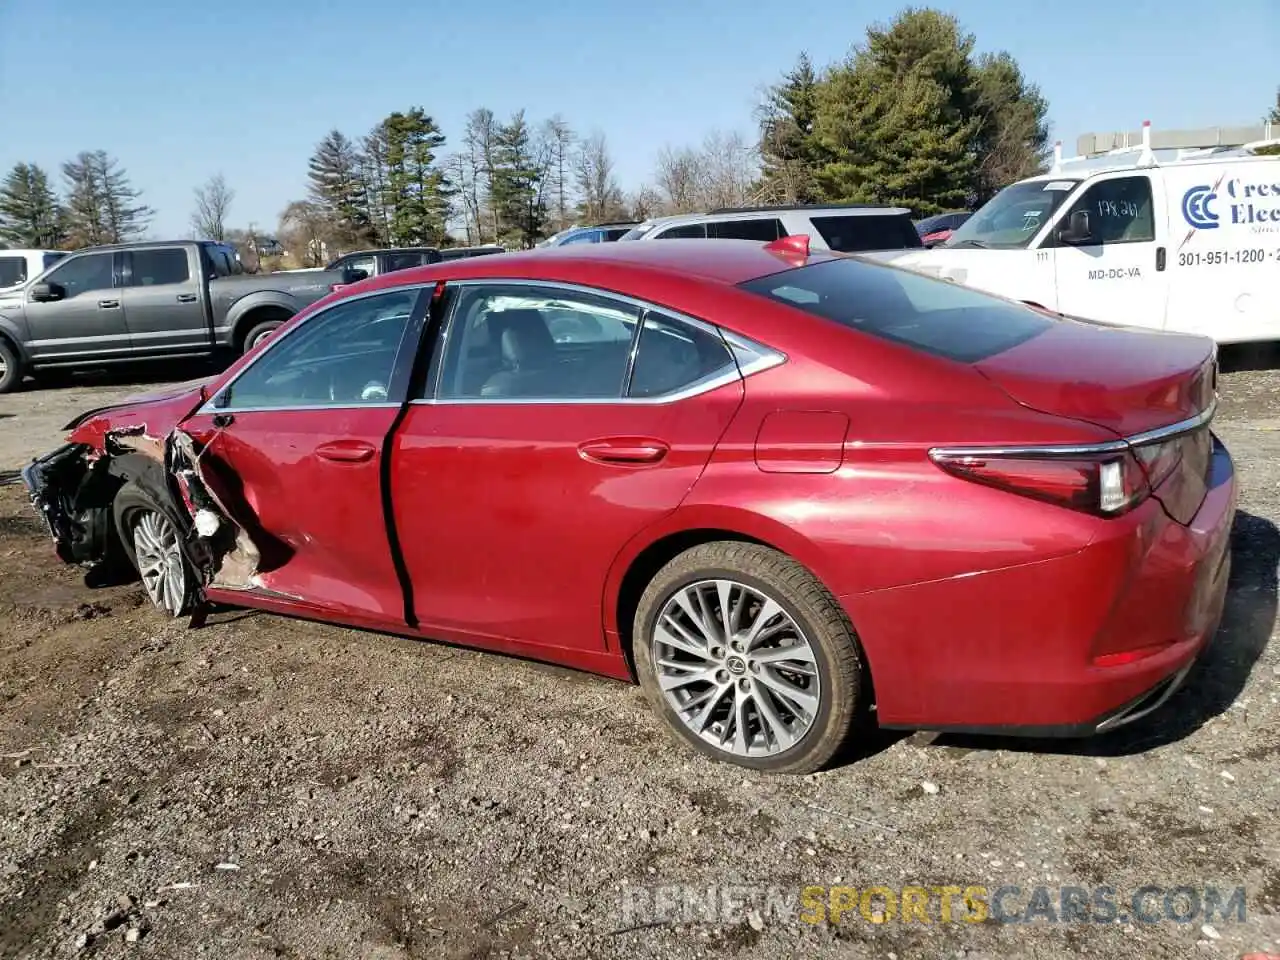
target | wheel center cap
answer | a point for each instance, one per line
(736, 666)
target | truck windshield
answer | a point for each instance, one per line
(1012, 217)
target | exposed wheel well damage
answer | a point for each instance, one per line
(75, 487)
(647, 564)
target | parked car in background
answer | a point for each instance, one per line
(777, 488)
(19, 266)
(146, 301)
(938, 228)
(460, 253)
(600, 233)
(845, 228)
(364, 264)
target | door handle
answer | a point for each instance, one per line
(187, 298)
(346, 451)
(1160, 259)
(624, 450)
(108, 304)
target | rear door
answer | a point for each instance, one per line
(1117, 272)
(295, 441)
(87, 322)
(541, 447)
(164, 300)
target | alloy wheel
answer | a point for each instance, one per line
(736, 668)
(160, 561)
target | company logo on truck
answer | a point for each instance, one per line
(1254, 205)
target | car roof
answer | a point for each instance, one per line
(728, 262)
(747, 213)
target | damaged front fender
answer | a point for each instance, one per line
(72, 488)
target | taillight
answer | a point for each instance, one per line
(1107, 484)
(1159, 460)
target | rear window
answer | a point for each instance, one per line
(935, 316)
(13, 270)
(856, 233)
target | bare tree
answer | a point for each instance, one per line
(304, 228)
(463, 176)
(559, 139)
(213, 201)
(730, 168)
(644, 203)
(480, 140)
(680, 176)
(601, 196)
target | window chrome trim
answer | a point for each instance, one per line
(209, 407)
(749, 356)
(1158, 435)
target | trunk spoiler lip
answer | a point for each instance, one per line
(1156, 435)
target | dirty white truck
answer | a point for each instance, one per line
(1190, 245)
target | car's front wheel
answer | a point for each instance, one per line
(749, 658)
(153, 543)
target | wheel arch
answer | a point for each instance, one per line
(258, 308)
(646, 554)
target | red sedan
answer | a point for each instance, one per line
(781, 491)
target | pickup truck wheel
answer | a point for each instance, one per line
(259, 332)
(10, 367)
(152, 540)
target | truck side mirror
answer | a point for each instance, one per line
(47, 292)
(1077, 229)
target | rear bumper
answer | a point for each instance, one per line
(1071, 646)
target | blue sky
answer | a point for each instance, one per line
(180, 91)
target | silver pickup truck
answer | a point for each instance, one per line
(146, 301)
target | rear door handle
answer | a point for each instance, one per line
(187, 298)
(624, 450)
(108, 304)
(346, 451)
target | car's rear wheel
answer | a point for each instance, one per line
(152, 540)
(10, 367)
(749, 658)
(260, 332)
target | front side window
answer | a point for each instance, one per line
(764, 229)
(155, 268)
(514, 342)
(13, 271)
(687, 232)
(342, 357)
(673, 356)
(84, 274)
(941, 318)
(1115, 211)
(586, 236)
(359, 268)
(1012, 218)
(51, 258)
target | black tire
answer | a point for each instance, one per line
(836, 650)
(11, 368)
(132, 503)
(257, 331)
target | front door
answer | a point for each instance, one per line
(1117, 271)
(296, 441)
(87, 321)
(164, 301)
(541, 448)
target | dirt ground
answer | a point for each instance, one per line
(267, 788)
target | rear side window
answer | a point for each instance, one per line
(673, 356)
(765, 229)
(855, 233)
(13, 270)
(935, 316)
(153, 268)
(403, 261)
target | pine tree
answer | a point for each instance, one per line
(1014, 136)
(337, 188)
(30, 215)
(102, 206)
(901, 119)
(790, 153)
(417, 192)
(515, 189)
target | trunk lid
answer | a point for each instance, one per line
(1129, 381)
